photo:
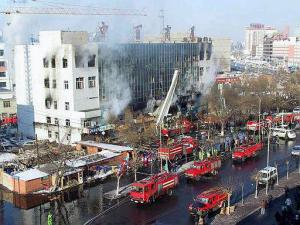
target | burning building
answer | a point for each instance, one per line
(148, 68)
(65, 84)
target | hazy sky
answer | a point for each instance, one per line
(221, 18)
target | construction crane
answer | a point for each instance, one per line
(71, 11)
(138, 32)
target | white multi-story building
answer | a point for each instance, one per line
(254, 37)
(4, 76)
(57, 86)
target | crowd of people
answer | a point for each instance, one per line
(290, 209)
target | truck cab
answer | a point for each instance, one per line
(150, 188)
(208, 202)
(201, 168)
(246, 151)
(142, 191)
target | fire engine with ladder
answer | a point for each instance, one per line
(178, 148)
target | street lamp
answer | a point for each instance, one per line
(259, 125)
(268, 149)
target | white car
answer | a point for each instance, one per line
(283, 133)
(296, 150)
(267, 175)
(296, 110)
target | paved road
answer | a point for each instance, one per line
(173, 210)
(166, 211)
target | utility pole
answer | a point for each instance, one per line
(259, 108)
(37, 151)
(268, 155)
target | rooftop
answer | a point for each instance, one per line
(30, 174)
(90, 159)
(109, 147)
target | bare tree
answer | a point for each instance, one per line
(228, 184)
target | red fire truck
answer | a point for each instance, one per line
(149, 189)
(184, 128)
(208, 201)
(246, 151)
(8, 120)
(202, 168)
(180, 147)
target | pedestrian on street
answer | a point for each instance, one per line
(263, 207)
(286, 191)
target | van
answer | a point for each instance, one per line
(282, 132)
(267, 175)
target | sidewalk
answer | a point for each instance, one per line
(269, 217)
(252, 205)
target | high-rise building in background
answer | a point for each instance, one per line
(254, 37)
(283, 50)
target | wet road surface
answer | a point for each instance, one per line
(166, 211)
(173, 210)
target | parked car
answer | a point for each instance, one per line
(296, 150)
(267, 175)
(282, 132)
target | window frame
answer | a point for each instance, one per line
(67, 106)
(66, 84)
(79, 82)
(92, 82)
(5, 104)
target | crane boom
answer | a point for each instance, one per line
(163, 109)
(71, 11)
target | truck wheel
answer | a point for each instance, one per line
(215, 172)
(170, 192)
(197, 178)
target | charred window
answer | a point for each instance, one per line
(49, 134)
(48, 103)
(67, 122)
(45, 62)
(53, 83)
(79, 61)
(65, 62)
(91, 60)
(202, 51)
(55, 104)
(48, 119)
(67, 106)
(208, 51)
(46, 83)
(53, 62)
